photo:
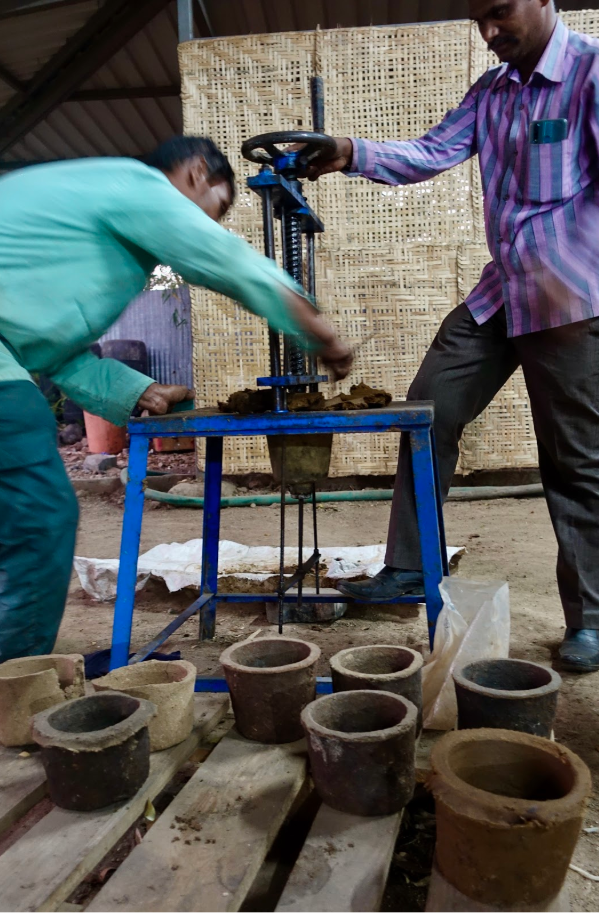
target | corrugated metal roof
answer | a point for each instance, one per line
(116, 127)
(130, 126)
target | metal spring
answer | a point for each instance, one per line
(294, 266)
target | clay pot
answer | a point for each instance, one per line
(442, 897)
(95, 750)
(173, 444)
(168, 685)
(510, 807)
(307, 459)
(271, 680)
(34, 683)
(507, 694)
(361, 747)
(380, 668)
(103, 436)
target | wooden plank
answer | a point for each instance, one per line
(41, 870)
(207, 847)
(22, 784)
(343, 865)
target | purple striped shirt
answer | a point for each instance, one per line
(541, 211)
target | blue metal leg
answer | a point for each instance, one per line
(212, 490)
(439, 498)
(134, 505)
(430, 523)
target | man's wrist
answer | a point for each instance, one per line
(349, 155)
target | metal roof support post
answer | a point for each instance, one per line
(185, 20)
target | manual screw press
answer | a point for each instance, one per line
(298, 461)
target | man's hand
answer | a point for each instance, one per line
(159, 399)
(337, 356)
(329, 162)
(331, 350)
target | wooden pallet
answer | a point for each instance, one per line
(41, 870)
(206, 849)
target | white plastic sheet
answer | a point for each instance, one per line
(180, 564)
(474, 623)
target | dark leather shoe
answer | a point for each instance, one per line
(580, 650)
(386, 585)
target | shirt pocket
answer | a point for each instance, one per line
(547, 172)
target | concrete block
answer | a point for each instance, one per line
(196, 489)
(99, 462)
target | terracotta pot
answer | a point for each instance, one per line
(95, 751)
(34, 683)
(271, 680)
(168, 685)
(307, 459)
(173, 444)
(103, 436)
(442, 897)
(361, 746)
(507, 694)
(380, 668)
(510, 807)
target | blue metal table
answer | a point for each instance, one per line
(416, 419)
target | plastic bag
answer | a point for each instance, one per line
(474, 623)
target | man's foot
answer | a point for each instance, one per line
(386, 585)
(580, 650)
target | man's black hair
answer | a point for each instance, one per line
(179, 149)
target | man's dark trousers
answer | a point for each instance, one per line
(38, 523)
(464, 368)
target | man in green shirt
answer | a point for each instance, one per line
(78, 241)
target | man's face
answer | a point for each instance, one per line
(212, 195)
(513, 29)
(215, 199)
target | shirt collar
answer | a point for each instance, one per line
(551, 66)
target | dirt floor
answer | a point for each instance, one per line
(510, 539)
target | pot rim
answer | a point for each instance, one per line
(415, 665)
(125, 687)
(373, 735)
(47, 736)
(553, 685)
(54, 657)
(229, 663)
(502, 810)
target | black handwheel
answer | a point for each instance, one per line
(263, 149)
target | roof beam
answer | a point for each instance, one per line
(111, 27)
(125, 93)
(11, 81)
(10, 8)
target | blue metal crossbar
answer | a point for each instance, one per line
(324, 685)
(415, 419)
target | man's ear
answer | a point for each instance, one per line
(197, 174)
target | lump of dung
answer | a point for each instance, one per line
(305, 402)
(360, 396)
(248, 402)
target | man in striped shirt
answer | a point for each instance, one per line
(534, 123)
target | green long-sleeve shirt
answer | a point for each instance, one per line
(78, 241)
